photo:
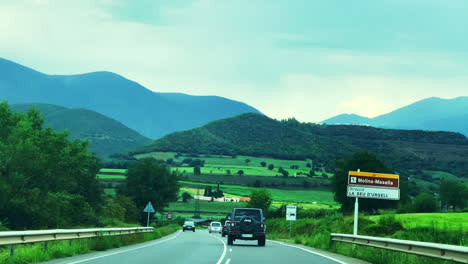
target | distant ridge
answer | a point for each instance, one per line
(429, 114)
(260, 136)
(106, 136)
(151, 114)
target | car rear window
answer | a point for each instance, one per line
(189, 223)
(255, 214)
(215, 224)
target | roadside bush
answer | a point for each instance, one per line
(386, 225)
(425, 203)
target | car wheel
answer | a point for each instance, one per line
(223, 235)
(261, 242)
(194, 230)
(183, 230)
(230, 241)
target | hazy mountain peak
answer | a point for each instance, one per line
(150, 113)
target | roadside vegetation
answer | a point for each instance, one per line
(315, 232)
(61, 249)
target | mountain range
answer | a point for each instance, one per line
(429, 114)
(149, 113)
(106, 136)
(258, 135)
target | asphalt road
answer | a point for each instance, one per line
(203, 248)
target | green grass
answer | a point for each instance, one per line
(315, 232)
(107, 176)
(206, 206)
(110, 191)
(450, 221)
(279, 195)
(220, 164)
(104, 170)
(59, 249)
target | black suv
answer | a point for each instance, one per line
(247, 224)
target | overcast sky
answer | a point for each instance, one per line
(308, 59)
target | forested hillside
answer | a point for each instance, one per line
(258, 135)
(106, 136)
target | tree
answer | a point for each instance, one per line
(453, 193)
(132, 213)
(247, 161)
(271, 167)
(228, 172)
(263, 164)
(151, 181)
(308, 165)
(260, 198)
(45, 178)
(186, 197)
(425, 203)
(364, 161)
(240, 172)
(196, 170)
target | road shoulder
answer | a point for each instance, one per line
(331, 255)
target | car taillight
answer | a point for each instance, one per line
(262, 225)
(233, 224)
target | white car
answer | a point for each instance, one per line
(215, 227)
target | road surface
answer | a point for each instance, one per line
(202, 248)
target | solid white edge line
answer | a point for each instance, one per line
(228, 261)
(123, 251)
(224, 251)
(307, 250)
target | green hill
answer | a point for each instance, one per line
(258, 135)
(106, 135)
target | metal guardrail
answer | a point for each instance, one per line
(13, 238)
(440, 251)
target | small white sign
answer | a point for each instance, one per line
(374, 193)
(291, 213)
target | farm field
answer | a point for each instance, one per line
(221, 164)
(205, 206)
(107, 176)
(106, 170)
(318, 196)
(443, 221)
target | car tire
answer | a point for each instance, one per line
(261, 242)
(194, 230)
(230, 240)
(223, 235)
(183, 230)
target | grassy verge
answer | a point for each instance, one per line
(318, 196)
(316, 233)
(60, 249)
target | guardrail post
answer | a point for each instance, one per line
(46, 246)
(12, 250)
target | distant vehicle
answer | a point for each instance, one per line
(188, 225)
(215, 227)
(247, 224)
(225, 230)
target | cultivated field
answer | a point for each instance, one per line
(443, 221)
(313, 197)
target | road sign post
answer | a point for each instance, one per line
(148, 209)
(291, 215)
(371, 185)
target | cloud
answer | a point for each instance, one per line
(305, 60)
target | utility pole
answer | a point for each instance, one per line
(196, 213)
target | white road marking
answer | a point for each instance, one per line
(228, 261)
(307, 250)
(123, 251)
(224, 251)
(230, 250)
